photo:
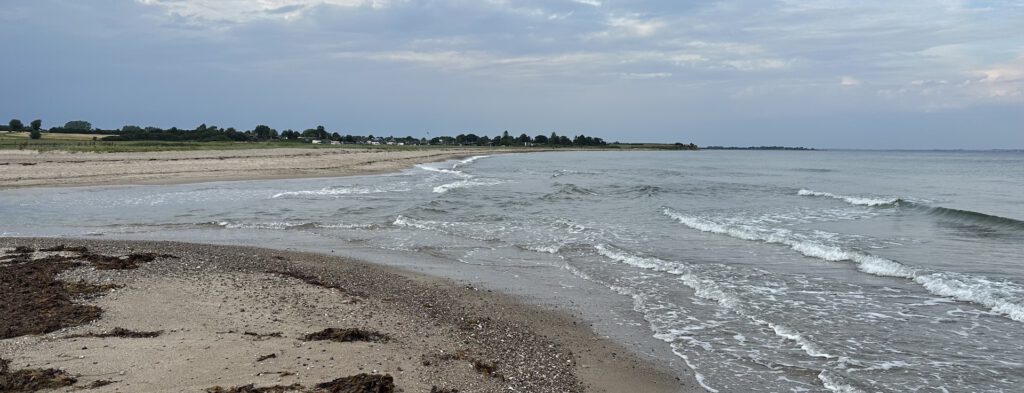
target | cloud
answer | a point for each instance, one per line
(250, 10)
(714, 58)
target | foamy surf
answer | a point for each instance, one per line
(441, 170)
(707, 288)
(466, 183)
(859, 201)
(1001, 297)
(467, 161)
(336, 191)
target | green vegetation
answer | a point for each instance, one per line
(80, 136)
(15, 125)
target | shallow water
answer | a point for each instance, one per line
(781, 271)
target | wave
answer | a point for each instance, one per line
(283, 225)
(441, 189)
(640, 191)
(973, 217)
(944, 213)
(859, 201)
(468, 161)
(1001, 297)
(404, 221)
(568, 191)
(442, 170)
(706, 288)
(336, 191)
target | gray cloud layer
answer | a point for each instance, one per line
(827, 73)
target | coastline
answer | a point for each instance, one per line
(29, 168)
(207, 297)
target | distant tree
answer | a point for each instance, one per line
(262, 132)
(523, 139)
(78, 125)
(540, 139)
(506, 139)
(553, 139)
(35, 134)
(15, 125)
(321, 132)
(36, 124)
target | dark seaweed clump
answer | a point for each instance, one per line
(346, 335)
(362, 383)
(32, 379)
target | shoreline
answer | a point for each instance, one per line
(441, 330)
(30, 169)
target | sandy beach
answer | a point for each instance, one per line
(29, 168)
(197, 317)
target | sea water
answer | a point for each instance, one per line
(844, 271)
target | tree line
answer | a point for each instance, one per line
(205, 133)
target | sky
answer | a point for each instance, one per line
(911, 74)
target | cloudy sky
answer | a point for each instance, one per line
(822, 73)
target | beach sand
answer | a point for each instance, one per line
(29, 168)
(232, 316)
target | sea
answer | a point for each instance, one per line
(776, 271)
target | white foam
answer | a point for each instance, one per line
(711, 290)
(832, 384)
(860, 201)
(441, 189)
(545, 249)
(336, 191)
(1001, 297)
(404, 221)
(809, 347)
(637, 261)
(442, 170)
(468, 161)
(696, 375)
(260, 225)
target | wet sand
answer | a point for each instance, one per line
(233, 316)
(30, 168)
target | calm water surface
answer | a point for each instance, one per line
(778, 271)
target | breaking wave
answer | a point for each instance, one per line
(441, 189)
(707, 288)
(283, 225)
(468, 161)
(1001, 297)
(336, 191)
(859, 201)
(943, 213)
(442, 170)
